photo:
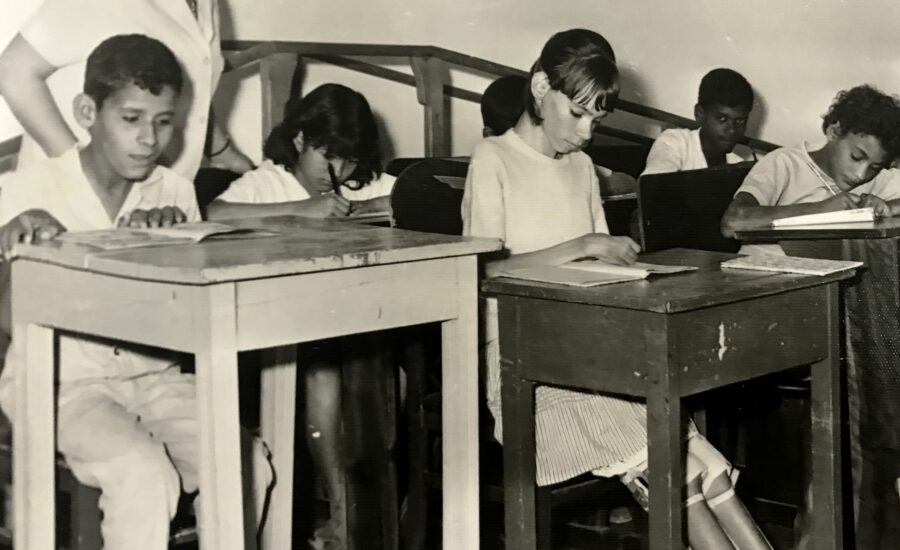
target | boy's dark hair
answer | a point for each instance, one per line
(867, 111)
(503, 102)
(334, 118)
(725, 87)
(580, 64)
(130, 59)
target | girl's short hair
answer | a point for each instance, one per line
(334, 118)
(580, 64)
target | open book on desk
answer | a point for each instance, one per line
(183, 233)
(814, 221)
(790, 264)
(593, 272)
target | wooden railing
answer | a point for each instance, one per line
(430, 69)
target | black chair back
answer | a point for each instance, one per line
(210, 183)
(428, 194)
(684, 209)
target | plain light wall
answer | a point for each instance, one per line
(796, 54)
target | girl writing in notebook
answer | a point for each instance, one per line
(534, 188)
(323, 160)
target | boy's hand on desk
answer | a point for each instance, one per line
(841, 201)
(29, 226)
(329, 205)
(877, 204)
(615, 250)
(155, 217)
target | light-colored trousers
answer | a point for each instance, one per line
(137, 441)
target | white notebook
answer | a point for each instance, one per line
(854, 215)
(594, 272)
(789, 264)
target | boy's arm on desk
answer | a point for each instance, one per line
(745, 212)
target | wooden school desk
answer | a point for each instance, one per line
(663, 340)
(316, 279)
(872, 313)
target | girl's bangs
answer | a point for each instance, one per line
(591, 89)
(339, 146)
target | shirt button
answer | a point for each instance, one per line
(206, 61)
(201, 120)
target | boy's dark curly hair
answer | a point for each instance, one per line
(130, 59)
(867, 111)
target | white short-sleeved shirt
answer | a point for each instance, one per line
(679, 149)
(271, 183)
(789, 176)
(64, 32)
(60, 187)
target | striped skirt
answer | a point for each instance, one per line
(575, 432)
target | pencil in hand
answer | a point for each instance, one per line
(335, 184)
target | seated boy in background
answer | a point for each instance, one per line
(862, 129)
(503, 102)
(723, 105)
(127, 415)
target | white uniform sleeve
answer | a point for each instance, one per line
(483, 210)
(665, 155)
(767, 180)
(65, 31)
(244, 189)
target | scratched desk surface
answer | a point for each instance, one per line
(302, 245)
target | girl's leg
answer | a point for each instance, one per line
(703, 530)
(719, 493)
(322, 378)
(733, 516)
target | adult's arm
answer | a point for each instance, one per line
(23, 84)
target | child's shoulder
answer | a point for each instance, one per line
(45, 175)
(676, 135)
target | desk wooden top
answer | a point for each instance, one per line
(303, 245)
(708, 286)
(881, 229)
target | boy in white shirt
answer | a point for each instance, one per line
(862, 128)
(723, 105)
(126, 414)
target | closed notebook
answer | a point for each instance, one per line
(790, 264)
(183, 233)
(855, 215)
(593, 272)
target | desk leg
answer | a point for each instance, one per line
(459, 409)
(279, 393)
(34, 440)
(519, 462)
(665, 449)
(221, 510)
(827, 514)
